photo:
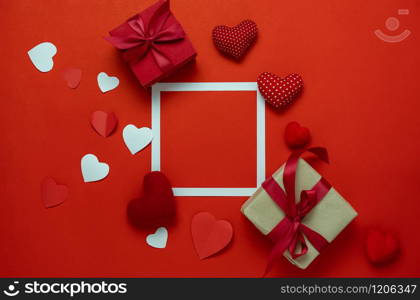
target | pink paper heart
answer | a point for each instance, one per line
(53, 194)
(104, 123)
(209, 234)
(73, 76)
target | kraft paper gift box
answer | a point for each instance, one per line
(153, 43)
(328, 217)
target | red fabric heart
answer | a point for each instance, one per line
(235, 41)
(381, 247)
(157, 204)
(277, 91)
(210, 235)
(73, 77)
(296, 136)
(52, 193)
(104, 123)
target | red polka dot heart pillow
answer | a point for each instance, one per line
(235, 41)
(280, 92)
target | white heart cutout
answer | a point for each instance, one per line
(158, 239)
(92, 169)
(136, 138)
(107, 83)
(42, 56)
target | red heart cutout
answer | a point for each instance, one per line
(210, 235)
(52, 193)
(73, 77)
(235, 41)
(157, 204)
(277, 91)
(296, 136)
(381, 247)
(104, 123)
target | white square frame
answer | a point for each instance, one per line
(210, 86)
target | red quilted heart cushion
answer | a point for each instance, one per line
(296, 136)
(157, 204)
(235, 41)
(381, 247)
(280, 92)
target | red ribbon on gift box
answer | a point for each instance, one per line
(141, 37)
(290, 233)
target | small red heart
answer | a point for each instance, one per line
(235, 41)
(296, 136)
(104, 123)
(156, 205)
(210, 235)
(52, 193)
(381, 247)
(73, 77)
(277, 91)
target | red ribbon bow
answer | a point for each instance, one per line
(141, 37)
(290, 233)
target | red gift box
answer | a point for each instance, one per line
(153, 43)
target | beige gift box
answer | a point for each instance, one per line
(328, 218)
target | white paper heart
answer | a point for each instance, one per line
(92, 169)
(158, 239)
(136, 138)
(107, 83)
(42, 56)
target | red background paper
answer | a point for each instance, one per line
(361, 100)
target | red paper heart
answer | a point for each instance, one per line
(73, 77)
(235, 41)
(277, 91)
(296, 136)
(157, 204)
(381, 247)
(210, 235)
(52, 193)
(104, 123)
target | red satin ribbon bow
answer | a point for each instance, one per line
(290, 233)
(142, 37)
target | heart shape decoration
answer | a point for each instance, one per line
(104, 123)
(296, 136)
(277, 91)
(210, 235)
(107, 83)
(381, 247)
(136, 138)
(157, 203)
(52, 193)
(235, 41)
(158, 239)
(42, 56)
(72, 76)
(92, 169)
